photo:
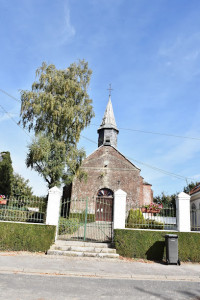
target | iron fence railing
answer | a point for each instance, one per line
(32, 210)
(163, 218)
(195, 219)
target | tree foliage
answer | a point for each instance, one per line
(6, 173)
(50, 159)
(20, 187)
(58, 104)
(166, 200)
(189, 187)
(170, 200)
(57, 109)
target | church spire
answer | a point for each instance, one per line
(108, 129)
(109, 118)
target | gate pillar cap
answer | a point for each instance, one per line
(183, 196)
(120, 192)
(54, 189)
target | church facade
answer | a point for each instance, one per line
(109, 170)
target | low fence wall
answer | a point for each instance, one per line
(150, 244)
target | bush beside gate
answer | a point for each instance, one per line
(150, 244)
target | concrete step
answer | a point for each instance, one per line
(82, 244)
(82, 254)
(83, 249)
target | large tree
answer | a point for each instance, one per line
(57, 109)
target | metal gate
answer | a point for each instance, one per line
(86, 220)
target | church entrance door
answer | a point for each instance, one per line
(104, 205)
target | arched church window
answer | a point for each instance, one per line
(104, 205)
(105, 193)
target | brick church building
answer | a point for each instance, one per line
(109, 170)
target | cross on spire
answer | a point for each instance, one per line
(110, 89)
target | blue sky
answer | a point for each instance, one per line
(148, 50)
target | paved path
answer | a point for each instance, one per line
(27, 263)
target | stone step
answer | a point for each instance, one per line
(82, 244)
(82, 249)
(82, 254)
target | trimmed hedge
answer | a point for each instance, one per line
(81, 217)
(150, 245)
(26, 237)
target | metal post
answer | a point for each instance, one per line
(86, 211)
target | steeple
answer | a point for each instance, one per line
(108, 129)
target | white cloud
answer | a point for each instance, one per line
(69, 30)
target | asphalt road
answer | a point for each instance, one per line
(17, 286)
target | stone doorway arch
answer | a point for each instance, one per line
(104, 205)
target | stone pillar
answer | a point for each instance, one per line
(119, 209)
(183, 212)
(53, 207)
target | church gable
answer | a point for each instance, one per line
(108, 156)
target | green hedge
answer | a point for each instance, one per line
(81, 217)
(68, 226)
(150, 245)
(26, 237)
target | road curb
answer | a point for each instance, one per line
(98, 275)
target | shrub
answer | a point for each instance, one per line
(81, 217)
(68, 226)
(136, 220)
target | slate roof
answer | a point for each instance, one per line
(109, 118)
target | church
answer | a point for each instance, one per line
(108, 170)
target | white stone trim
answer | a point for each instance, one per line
(119, 214)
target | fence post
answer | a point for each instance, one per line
(119, 209)
(53, 207)
(183, 212)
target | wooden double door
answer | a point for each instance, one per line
(104, 209)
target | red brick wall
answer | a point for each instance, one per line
(147, 194)
(108, 168)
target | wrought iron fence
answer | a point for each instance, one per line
(195, 219)
(163, 218)
(23, 210)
